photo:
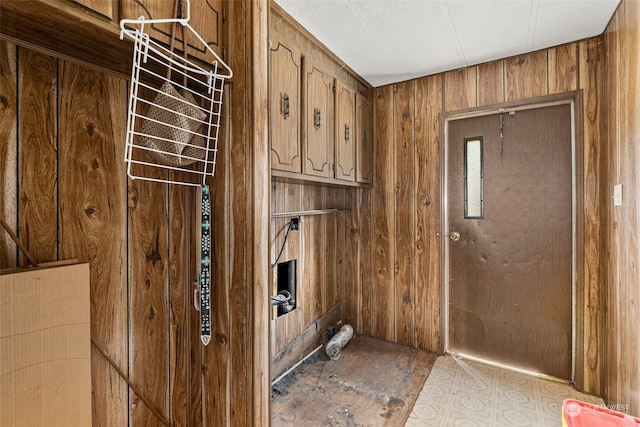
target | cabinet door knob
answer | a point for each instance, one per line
(316, 118)
(285, 106)
(346, 133)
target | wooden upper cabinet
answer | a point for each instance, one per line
(284, 105)
(101, 6)
(345, 168)
(317, 122)
(206, 20)
(364, 140)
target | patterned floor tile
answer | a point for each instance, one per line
(463, 393)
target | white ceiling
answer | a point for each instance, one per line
(387, 41)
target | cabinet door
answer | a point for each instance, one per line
(101, 6)
(205, 18)
(364, 140)
(345, 133)
(317, 121)
(284, 106)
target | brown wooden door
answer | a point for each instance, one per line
(510, 273)
(318, 119)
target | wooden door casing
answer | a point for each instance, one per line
(510, 274)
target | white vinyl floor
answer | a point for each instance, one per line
(464, 393)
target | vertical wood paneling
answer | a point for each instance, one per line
(460, 89)
(526, 76)
(404, 109)
(258, 396)
(611, 166)
(491, 83)
(428, 208)
(383, 218)
(8, 151)
(365, 255)
(622, 37)
(517, 78)
(92, 215)
(216, 364)
(591, 63)
(240, 144)
(563, 68)
(181, 202)
(348, 277)
(148, 287)
(337, 260)
(148, 297)
(37, 145)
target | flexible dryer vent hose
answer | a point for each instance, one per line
(339, 340)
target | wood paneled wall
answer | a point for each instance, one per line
(65, 191)
(406, 199)
(622, 224)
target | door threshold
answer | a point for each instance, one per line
(508, 367)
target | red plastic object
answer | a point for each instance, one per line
(581, 414)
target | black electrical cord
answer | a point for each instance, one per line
(286, 236)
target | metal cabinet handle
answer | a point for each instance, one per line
(316, 118)
(346, 133)
(285, 106)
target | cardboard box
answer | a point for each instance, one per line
(45, 347)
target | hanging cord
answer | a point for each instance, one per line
(286, 236)
(124, 376)
(21, 245)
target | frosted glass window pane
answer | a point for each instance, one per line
(473, 177)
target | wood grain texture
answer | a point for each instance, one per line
(206, 19)
(37, 145)
(405, 147)
(622, 114)
(345, 132)
(506, 80)
(428, 208)
(347, 277)
(364, 308)
(563, 68)
(526, 76)
(104, 7)
(312, 49)
(258, 396)
(242, 263)
(284, 105)
(317, 120)
(591, 71)
(182, 201)
(148, 296)
(383, 219)
(365, 140)
(92, 219)
(460, 89)
(8, 151)
(491, 83)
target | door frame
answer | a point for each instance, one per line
(574, 99)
